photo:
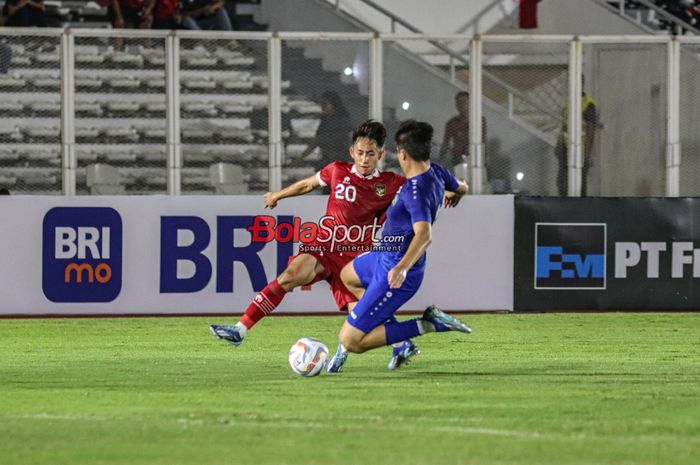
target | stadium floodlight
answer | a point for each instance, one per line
(405, 105)
(348, 71)
(520, 176)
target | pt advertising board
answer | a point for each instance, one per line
(607, 254)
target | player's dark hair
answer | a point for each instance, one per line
(372, 130)
(4, 191)
(461, 94)
(416, 138)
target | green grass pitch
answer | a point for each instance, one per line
(611, 388)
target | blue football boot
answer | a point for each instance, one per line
(228, 333)
(338, 361)
(444, 322)
(403, 354)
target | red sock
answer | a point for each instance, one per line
(263, 304)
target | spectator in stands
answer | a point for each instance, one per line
(5, 57)
(24, 13)
(528, 14)
(166, 14)
(334, 133)
(455, 142)
(133, 14)
(588, 127)
(205, 14)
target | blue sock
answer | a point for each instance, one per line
(403, 331)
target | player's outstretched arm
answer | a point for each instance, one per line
(420, 242)
(452, 198)
(298, 188)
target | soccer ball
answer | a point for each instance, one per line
(308, 356)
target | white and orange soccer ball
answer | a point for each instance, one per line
(308, 356)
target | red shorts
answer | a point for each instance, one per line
(332, 263)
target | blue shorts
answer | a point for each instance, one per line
(379, 302)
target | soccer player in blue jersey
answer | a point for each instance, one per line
(385, 279)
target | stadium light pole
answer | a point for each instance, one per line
(68, 159)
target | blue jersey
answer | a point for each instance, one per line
(418, 200)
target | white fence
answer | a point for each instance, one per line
(189, 112)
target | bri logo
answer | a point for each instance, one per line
(570, 256)
(82, 254)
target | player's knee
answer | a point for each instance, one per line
(352, 344)
(292, 277)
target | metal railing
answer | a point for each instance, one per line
(70, 169)
(678, 24)
(455, 56)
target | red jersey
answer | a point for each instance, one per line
(165, 9)
(356, 200)
(136, 4)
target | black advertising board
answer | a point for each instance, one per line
(607, 253)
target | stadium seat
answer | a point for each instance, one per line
(200, 61)
(239, 60)
(197, 133)
(305, 127)
(89, 59)
(42, 154)
(10, 132)
(89, 82)
(155, 107)
(122, 133)
(90, 108)
(8, 154)
(199, 83)
(7, 181)
(196, 177)
(200, 107)
(86, 154)
(51, 132)
(87, 132)
(52, 81)
(8, 106)
(45, 107)
(295, 150)
(155, 83)
(195, 155)
(124, 106)
(245, 135)
(236, 85)
(48, 58)
(234, 107)
(304, 106)
(12, 81)
(125, 59)
(124, 82)
(40, 177)
(21, 61)
(227, 178)
(153, 154)
(153, 132)
(156, 60)
(104, 179)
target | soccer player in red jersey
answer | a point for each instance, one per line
(359, 196)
